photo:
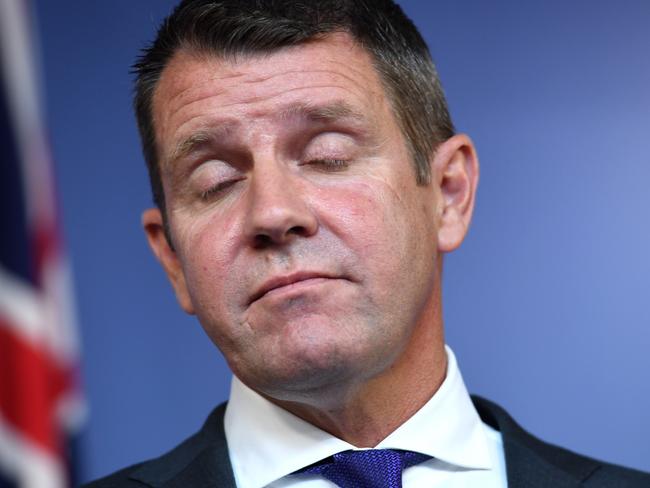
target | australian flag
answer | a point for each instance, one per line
(41, 406)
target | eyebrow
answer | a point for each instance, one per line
(328, 113)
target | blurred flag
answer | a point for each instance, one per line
(41, 408)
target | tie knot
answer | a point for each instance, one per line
(372, 468)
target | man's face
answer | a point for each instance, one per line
(301, 239)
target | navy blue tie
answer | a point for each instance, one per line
(373, 468)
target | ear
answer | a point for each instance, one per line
(456, 171)
(152, 222)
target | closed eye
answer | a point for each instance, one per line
(327, 164)
(217, 189)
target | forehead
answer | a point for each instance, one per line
(199, 91)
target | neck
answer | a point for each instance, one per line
(365, 414)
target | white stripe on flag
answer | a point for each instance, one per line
(44, 320)
(22, 307)
(26, 464)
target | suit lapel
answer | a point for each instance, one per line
(202, 461)
(526, 469)
(208, 470)
(530, 462)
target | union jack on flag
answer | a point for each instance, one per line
(41, 407)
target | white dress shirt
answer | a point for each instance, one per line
(266, 443)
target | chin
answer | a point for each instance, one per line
(321, 374)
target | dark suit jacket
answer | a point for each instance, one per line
(202, 461)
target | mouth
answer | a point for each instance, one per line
(286, 281)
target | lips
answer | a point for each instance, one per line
(286, 280)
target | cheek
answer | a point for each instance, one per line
(352, 208)
(391, 231)
(369, 216)
(207, 246)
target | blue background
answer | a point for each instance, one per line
(546, 302)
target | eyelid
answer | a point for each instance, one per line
(212, 176)
(215, 167)
(218, 188)
(330, 165)
(213, 156)
(329, 145)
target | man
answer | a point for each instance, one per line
(307, 181)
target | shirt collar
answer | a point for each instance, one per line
(261, 434)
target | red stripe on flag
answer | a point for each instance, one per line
(46, 244)
(31, 384)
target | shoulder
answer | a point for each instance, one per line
(202, 459)
(528, 458)
(609, 475)
(121, 479)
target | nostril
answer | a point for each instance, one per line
(298, 230)
(266, 239)
(262, 241)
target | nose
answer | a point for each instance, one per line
(278, 210)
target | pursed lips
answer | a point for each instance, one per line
(287, 280)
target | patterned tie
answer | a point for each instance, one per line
(373, 468)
